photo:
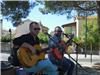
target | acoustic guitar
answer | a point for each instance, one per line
(61, 47)
(27, 58)
(59, 50)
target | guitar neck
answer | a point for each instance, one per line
(44, 50)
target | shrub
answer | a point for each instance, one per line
(43, 38)
(5, 38)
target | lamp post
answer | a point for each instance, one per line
(1, 26)
(1, 20)
(10, 39)
(86, 33)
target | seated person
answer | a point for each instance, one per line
(28, 41)
(56, 55)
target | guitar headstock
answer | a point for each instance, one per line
(71, 36)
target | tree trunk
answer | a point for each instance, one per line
(98, 13)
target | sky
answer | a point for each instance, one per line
(48, 20)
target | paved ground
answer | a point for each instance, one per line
(92, 68)
(89, 71)
(86, 61)
(89, 68)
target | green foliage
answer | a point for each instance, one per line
(66, 7)
(5, 38)
(16, 10)
(69, 30)
(93, 37)
(76, 39)
(92, 34)
(83, 8)
(43, 38)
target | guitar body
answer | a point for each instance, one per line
(27, 58)
(56, 51)
(57, 54)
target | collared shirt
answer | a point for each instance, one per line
(27, 38)
(54, 41)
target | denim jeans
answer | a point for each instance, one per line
(66, 64)
(45, 65)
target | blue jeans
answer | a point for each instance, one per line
(45, 65)
(66, 64)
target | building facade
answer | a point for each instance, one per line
(76, 26)
(23, 28)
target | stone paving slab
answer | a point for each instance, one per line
(89, 71)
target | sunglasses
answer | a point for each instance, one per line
(36, 28)
(58, 31)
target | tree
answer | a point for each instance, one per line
(5, 38)
(83, 8)
(43, 38)
(92, 34)
(16, 10)
(98, 12)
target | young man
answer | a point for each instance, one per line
(28, 41)
(56, 54)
